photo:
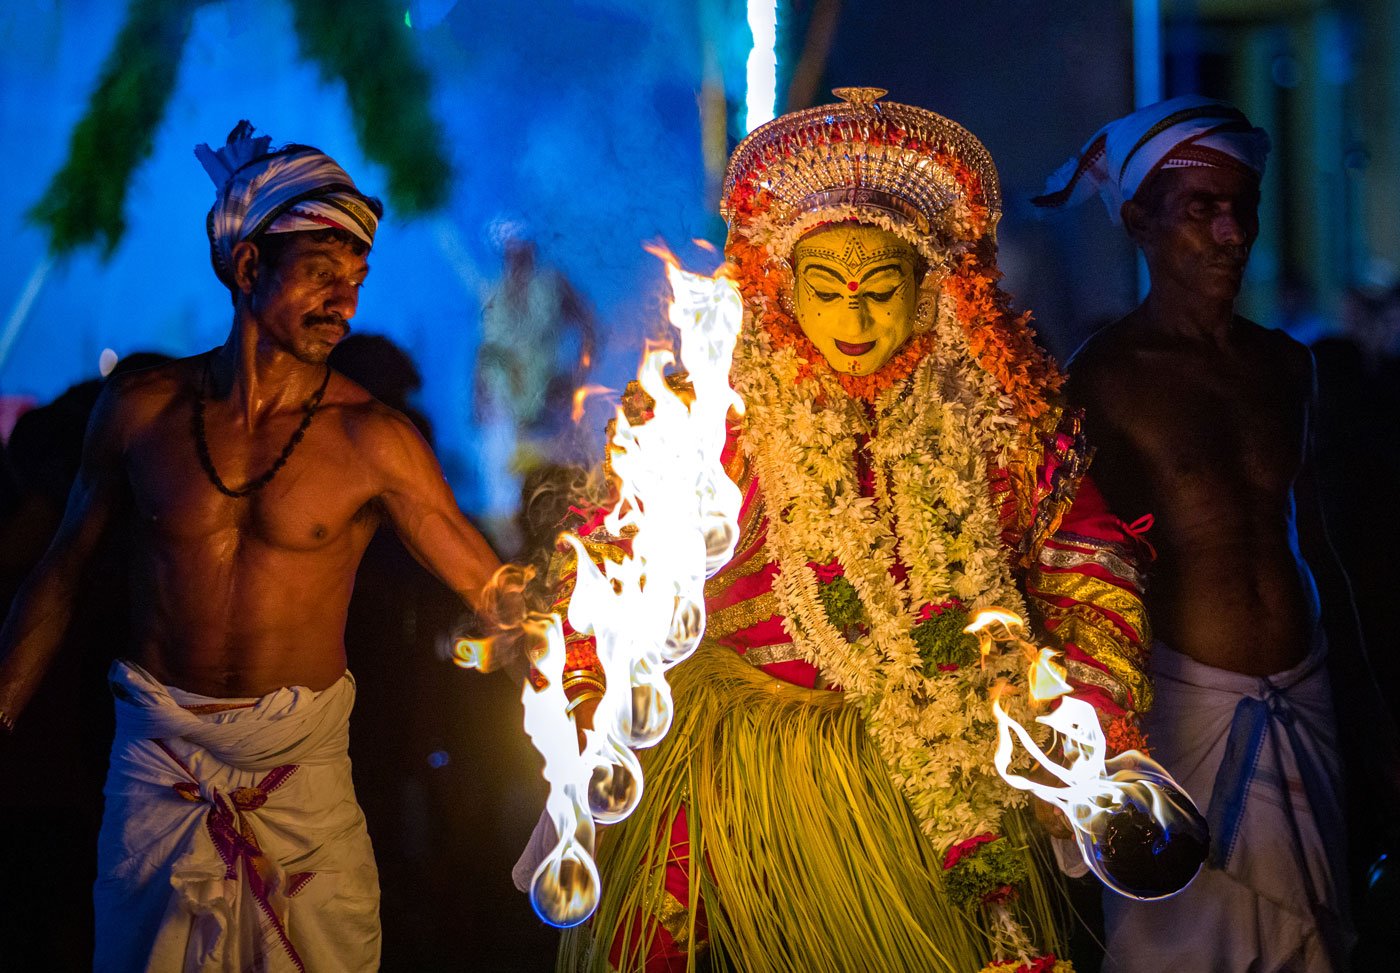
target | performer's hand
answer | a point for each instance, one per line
(1051, 818)
(503, 601)
(514, 633)
(514, 649)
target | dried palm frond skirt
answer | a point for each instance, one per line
(804, 855)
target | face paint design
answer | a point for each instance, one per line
(854, 294)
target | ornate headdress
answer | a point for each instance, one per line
(909, 171)
(906, 169)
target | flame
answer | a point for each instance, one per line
(663, 253)
(581, 396)
(564, 887)
(646, 613)
(1092, 786)
(705, 245)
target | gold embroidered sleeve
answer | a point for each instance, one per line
(1086, 587)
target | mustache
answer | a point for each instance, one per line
(1231, 256)
(316, 320)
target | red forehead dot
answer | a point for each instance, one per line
(851, 285)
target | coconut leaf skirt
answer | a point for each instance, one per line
(806, 856)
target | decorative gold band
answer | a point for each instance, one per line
(583, 677)
(865, 196)
(582, 698)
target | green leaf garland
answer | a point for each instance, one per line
(87, 198)
(365, 45)
(942, 641)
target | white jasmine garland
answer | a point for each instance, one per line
(932, 441)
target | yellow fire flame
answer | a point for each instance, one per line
(581, 396)
(646, 613)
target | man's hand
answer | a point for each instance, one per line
(514, 649)
(1051, 818)
(583, 718)
(503, 602)
(515, 634)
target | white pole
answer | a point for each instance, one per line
(15, 322)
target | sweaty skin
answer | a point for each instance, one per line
(238, 597)
(1201, 418)
(854, 293)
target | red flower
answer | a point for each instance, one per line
(1002, 893)
(928, 612)
(827, 573)
(1041, 964)
(948, 667)
(955, 854)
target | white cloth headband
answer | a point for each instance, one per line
(1185, 131)
(294, 188)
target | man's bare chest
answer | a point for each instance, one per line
(1217, 424)
(316, 496)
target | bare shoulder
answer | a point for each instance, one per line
(1106, 361)
(132, 401)
(383, 437)
(1278, 349)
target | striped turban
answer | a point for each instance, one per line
(262, 190)
(1175, 134)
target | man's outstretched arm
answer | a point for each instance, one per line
(421, 507)
(43, 607)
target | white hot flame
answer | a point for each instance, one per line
(564, 888)
(1091, 785)
(681, 510)
(647, 612)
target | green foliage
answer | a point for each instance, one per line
(87, 197)
(363, 44)
(842, 604)
(942, 641)
(985, 870)
(367, 46)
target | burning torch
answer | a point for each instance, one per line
(1136, 828)
(646, 613)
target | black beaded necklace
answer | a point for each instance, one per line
(202, 444)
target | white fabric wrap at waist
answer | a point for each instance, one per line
(1259, 756)
(231, 838)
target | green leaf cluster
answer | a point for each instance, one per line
(987, 869)
(842, 604)
(367, 46)
(364, 44)
(942, 641)
(86, 199)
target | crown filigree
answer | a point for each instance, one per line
(862, 153)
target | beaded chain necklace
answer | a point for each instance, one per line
(202, 444)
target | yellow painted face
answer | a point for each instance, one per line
(854, 292)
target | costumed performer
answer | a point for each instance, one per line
(826, 798)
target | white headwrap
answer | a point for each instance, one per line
(1178, 133)
(294, 188)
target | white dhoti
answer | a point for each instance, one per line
(231, 839)
(1261, 754)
